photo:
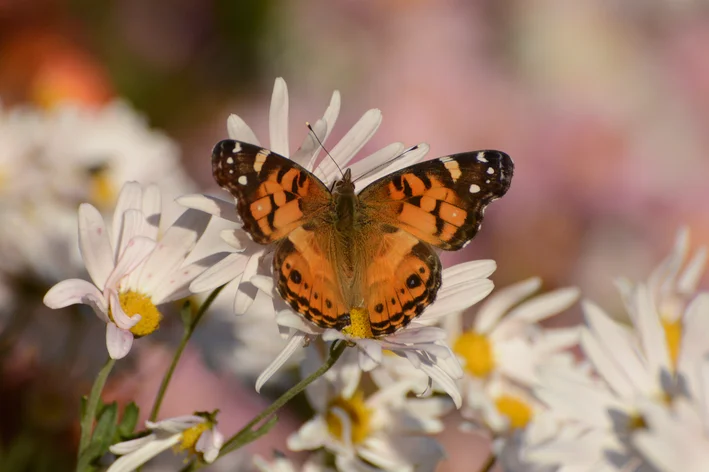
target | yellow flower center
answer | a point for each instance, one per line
(517, 411)
(673, 337)
(359, 324)
(190, 437)
(636, 422)
(102, 192)
(134, 303)
(476, 350)
(357, 412)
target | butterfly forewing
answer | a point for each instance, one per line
(274, 194)
(442, 201)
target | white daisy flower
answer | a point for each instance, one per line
(134, 268)
(675, 437)
(385, 430)
(197, 434)
(635, 371)
(423, 346)
(502, 350)
(54, 160)
(243, 263)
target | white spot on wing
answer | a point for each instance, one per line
(231, 171)
(481, 156)
(474, 188)
(446, 159)
(242, 180)
(237, 148)
(490, 170)
(230, 160)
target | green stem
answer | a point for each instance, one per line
(189, 329)
(235, 441)
(489, 463)
(87, 421)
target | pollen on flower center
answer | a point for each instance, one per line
(190, 437)
(136, 303)
(517, 411)
(356, 411)
(476, 350)
(359, 324)
(673, 337)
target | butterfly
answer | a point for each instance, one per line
(337, 250)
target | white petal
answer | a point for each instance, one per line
(331, 113)
(126, 447)
(209, 443)
(381, 157)
(293, 344)
(72, 291)
(94, 244)
(220, 273)
(245, 297)
(176, 286)
(176, 424)
(172, 249)
(118, 341)
(307, 153)
(444, 381)
(312, 435)
(695, 332)
(132, 225)
(543, 306)
(688, 281)
(130, 198)
(290, 319)
(463, 272)
(212, 205)
(151, 210)
(652, 335)
(240, 131)
(135, 253)
(132, 461)
(350, 144)
(238, 240)
(458, 298)
(265, 284)
(370, 172)
(610, 349)
(662, 278)
(278, 119)
(500, 302)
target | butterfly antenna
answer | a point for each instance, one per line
(324, 149)
(386, 163)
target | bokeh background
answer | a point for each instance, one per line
(603, 105)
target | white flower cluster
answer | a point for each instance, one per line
(636, 401)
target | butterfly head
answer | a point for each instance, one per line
(344, 186)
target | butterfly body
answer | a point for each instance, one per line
(337, 250)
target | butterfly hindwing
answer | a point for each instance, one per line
(402, 278)
(274, 194)
(307, 280)
(441, 201)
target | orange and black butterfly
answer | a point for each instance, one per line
(336, 250)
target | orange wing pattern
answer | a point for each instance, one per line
(274, 194)
(307, 280)
(442, 201)
(401, 280)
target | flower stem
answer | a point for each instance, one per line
(489, 463)
(87, 421)
(186, 335)
(247, 435)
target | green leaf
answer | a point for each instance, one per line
(105, 427)
(128, 421)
